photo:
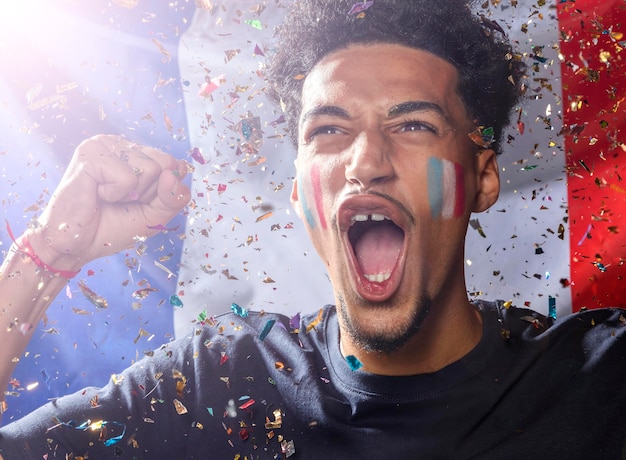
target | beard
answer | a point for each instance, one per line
(386, 341)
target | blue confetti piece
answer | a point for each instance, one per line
(246, 130)
(354, 362)
(210, 410)
(552, 307)
(175, 301)
(266, 329)
(239, 311)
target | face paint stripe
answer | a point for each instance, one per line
(435, 183)
(449, 179)
(317, 193)
(459, 206)
(305, 207)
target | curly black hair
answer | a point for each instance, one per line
(491, 75)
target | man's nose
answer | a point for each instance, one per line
(370, 161)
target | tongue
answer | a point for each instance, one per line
(377, 250)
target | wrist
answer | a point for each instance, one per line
(34, 245)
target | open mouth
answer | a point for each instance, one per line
(377, 243)
(376, 246)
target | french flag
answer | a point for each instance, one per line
(557, 232)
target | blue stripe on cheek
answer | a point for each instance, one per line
(435, 186)
(310, 220)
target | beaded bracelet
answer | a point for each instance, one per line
(25, 248)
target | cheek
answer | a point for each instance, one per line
(310, 194)
(446, 188)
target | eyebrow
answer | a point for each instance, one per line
(396, 111)
(416, 106)
(321, 110)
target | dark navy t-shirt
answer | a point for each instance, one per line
(260, 387)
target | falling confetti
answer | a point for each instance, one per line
(239, 311)
(360, 7)
(266, 329)
(175, 301)
(95, 299)
(254, 23)
(180, 407)
(354, 362)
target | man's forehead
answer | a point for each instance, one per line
(398, 79)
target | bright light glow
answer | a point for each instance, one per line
(32, 19)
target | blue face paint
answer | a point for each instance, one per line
(435, 189)
(310, 220)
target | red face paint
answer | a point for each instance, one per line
(316, 183)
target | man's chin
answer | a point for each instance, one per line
(389, 340)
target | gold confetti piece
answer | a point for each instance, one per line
(142, 333)
(167, 57)
(315, 322)
(264, 216)
(277, 423)
(180, 407)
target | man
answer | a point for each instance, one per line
(396, 109)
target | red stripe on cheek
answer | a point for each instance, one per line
(317, 194)
(459, 205)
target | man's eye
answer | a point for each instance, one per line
(323, 130)
(417, 126)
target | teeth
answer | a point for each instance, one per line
(365, 217)
(378, 278)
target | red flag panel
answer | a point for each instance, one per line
(593, 68)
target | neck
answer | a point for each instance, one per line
(450, 331)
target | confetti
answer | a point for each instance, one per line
(267, 215)
(258, 51)
(250, 130)
(315, 322)
(276, 423)
(95, 299)
(254, 23)
(266, 329)
(96, 426)
(175, 301)
(180, 407)
(482, 137)
(288, 448)
(475, 224)
(196, 154)
(354, 362)
(551, 307)
(360, 7)
(247, 404)
(294, 321)
(239, 311)
(209, 86)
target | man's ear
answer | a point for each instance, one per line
(487, 180)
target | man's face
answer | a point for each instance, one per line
(386, 179)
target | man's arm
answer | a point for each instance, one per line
(112, 192)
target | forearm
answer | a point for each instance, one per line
(26, 290)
